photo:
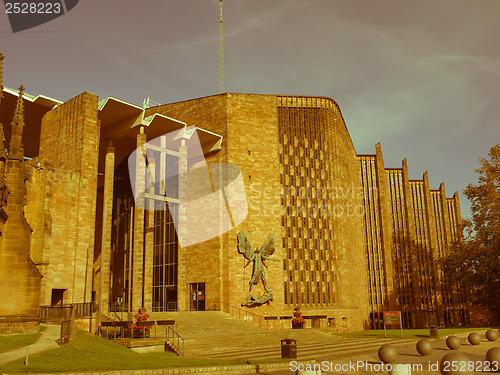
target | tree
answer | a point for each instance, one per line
(475, 259)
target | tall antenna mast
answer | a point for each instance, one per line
(221, 53)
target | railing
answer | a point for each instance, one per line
(244, 314)
(109, 329)
(85, 310)
(175, 341)
(146, 329)
(63, 312)
(50, 313)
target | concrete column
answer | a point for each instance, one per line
(182, 284)
(411, 244)
(386, 227)
(450, 287)
(457, 211)
(431, 222)
(460, 301)
(138, 249)
(446, 217)
(149, 245)
(107, 222)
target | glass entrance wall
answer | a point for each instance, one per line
(160, 201)
(165, 259)
(121, 273)
(162, 191)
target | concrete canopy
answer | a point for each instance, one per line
(121, 122)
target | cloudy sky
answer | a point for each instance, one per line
(421, 77)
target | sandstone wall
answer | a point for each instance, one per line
(62, 199)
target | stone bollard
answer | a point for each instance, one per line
(387, 353)
(453, 342)
(493, 357)
(424, 347)
(474, 338)
(491, 335)
(450, 364)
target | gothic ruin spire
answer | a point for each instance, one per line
(16, 151)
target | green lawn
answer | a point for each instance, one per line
(88, 353)
(409, 333)
(11, 342)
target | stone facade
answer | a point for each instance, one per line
(319, 253)
(64, 206)
(48, 227)
(407, 230)
(341, 221)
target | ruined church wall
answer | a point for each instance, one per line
(61, 200)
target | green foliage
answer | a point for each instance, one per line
(92, 353)
(475, 259)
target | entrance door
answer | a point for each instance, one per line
(57, 297)
(197, 296)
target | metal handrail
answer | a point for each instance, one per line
(175, 336)
(64, 311)
(261, 318)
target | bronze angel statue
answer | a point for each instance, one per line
(258, 257)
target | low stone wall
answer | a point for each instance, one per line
(84, 323)
(216, 370)
(149, 348)
(13, 325)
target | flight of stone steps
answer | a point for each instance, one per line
(215, 334)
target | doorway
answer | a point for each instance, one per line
(57, 297)
(197, 296)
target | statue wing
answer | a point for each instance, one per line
(268, 247)
(244, 246)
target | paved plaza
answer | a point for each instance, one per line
(332, 354)
(408, 359)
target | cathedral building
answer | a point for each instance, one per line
(253, 201)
